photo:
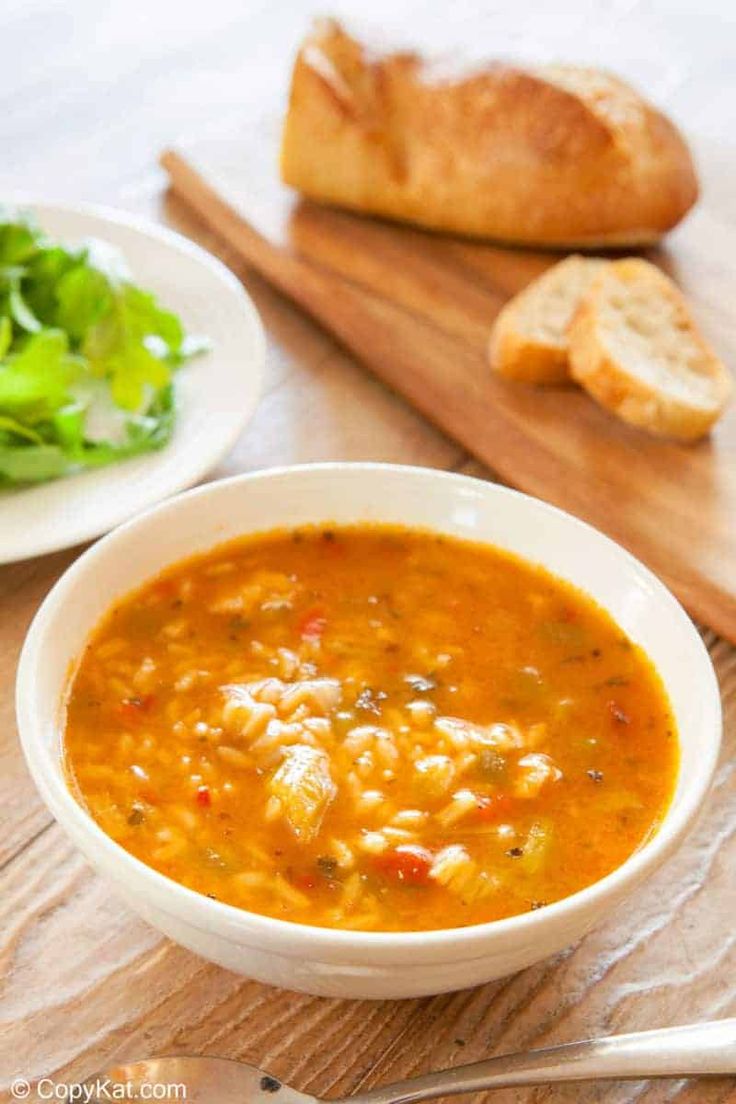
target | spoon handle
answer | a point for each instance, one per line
(698, 1050)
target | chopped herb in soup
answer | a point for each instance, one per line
(370, 728)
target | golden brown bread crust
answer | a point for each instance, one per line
(518, 356)
(555, 156)
(595, 345)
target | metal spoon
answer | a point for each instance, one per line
(698, 1050)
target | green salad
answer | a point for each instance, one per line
(86, 357)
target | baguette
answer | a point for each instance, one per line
(558, 156)
(529, 337)
(636, 350)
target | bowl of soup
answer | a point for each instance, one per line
(366, 730)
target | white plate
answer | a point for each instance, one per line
(216, 393)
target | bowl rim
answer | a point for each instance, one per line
(250, 928)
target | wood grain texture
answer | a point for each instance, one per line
(417, 309)
(84, 982)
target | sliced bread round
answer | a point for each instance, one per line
(529, 337)
(636, 349)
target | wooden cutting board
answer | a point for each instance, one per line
(417, 309)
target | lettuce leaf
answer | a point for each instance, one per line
(71, 323)
(36, 381)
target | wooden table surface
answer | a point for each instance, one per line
(89, 93)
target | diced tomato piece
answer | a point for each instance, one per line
(494, 806)
(133, 709)
(203, 796)
(304, 881)
(408, 863)
(312, 624)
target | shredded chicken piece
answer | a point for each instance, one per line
(453, 868)
(465, 734)
(322, 695)
(304, 786)
(537, 770)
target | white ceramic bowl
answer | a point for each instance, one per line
(321, 960)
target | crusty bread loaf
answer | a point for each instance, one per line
(529, 336)
(636, 349)
(552, 155)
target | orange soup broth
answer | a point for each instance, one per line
(425, 667)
